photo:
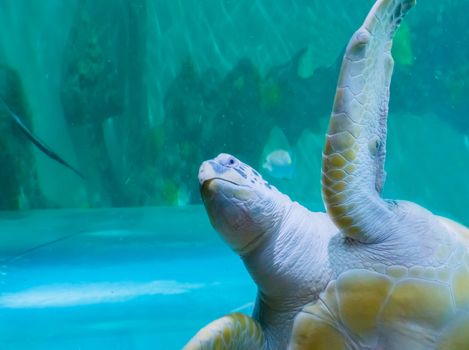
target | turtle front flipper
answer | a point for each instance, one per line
(232, 332)
(353, 159)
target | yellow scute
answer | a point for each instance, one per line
(218, 344)
(338, 186)
(341, 142)
(337, 161)
(227, 334)
(327, 308)
(344, 221)
(457, 337)
(362, 294)
(350, 154)
(336, 175)
(311, 333)
(461, 287)
(336, 211)
(423, 302)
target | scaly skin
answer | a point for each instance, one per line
(265, 228)
(393, 307)
(353, 158)
(387, 275)
(234, 331)
(418, 302)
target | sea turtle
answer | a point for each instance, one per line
(369, 274)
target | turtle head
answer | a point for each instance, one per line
(241, 205)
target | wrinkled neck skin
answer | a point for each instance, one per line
(289, 267)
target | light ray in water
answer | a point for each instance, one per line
(35, 140)
(67, 295)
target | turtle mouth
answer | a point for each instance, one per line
(210, 187)
(215, 187)
(207, 183)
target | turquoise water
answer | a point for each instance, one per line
(134, 95)
(114, 279)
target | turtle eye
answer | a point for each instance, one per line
(231, 161)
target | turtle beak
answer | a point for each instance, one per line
(206, 172)
(215, 178)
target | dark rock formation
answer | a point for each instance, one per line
(18, 175)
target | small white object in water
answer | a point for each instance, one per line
(244, 308)
(279, 164)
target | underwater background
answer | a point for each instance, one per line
(135, 94)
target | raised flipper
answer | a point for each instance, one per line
(232, 332)
(353, 159)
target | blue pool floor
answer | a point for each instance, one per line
(114, 279)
